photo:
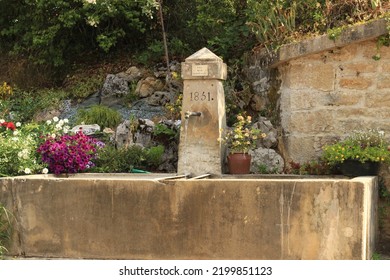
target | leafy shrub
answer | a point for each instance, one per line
(54, 31)
(153, 156)
(362, 146)
(278, 22)
(162, 131)
(125, 159)
(101, 115)
(69, 153)
(84, 87)
(25, 104)
(121, 160)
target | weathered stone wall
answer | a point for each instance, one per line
(332, 93)
(116, 216)
(327, 88)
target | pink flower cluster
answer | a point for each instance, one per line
(69, 153)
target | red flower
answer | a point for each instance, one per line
(9, 125)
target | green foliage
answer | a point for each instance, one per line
(5, 229)
(334, 33)
(361, 145)
(263, 169)
(272, 21)
(52, 31)
(174, 108)
(314, 167)
(383, 40)
(85, 86)
(153, 156)
(278, 22)
(220, 25)
(153, 53)
(99, 114)
(161, 130)
(124, 159)
(25, 104)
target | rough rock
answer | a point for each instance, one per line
(271, 139)
(87, 129)
(267, 160)
(160, 98)
(138, 132)
(258, 102)
(133, 74)
(113, 89)
(123, 134)
(146, 87)
(115, 85)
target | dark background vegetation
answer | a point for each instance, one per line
(43, 42)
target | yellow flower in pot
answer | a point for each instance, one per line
(241, 138)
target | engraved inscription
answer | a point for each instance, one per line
(200, 70)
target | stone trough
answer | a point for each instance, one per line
(155, 216)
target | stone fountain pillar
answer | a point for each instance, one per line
(203, 115)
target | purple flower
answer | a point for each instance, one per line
(69, 153)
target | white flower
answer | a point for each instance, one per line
(61, 122)
(48, 122)
(45, 171)
(18, 124)
(91, 1)
(53, 135)
(2, 120)
(65, 130)
(27, 170)
(66, 120)
(23, 154)
(58, 126)
(56, 119)
(15, 133)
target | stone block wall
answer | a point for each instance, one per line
(332, 93)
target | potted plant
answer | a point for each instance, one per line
(241, 138)
(359, 154)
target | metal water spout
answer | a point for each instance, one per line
(188, 114)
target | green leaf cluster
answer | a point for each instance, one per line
(52, 31)
(362, 146)
(99, 114)
(125, 159)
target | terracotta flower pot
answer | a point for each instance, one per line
(239, 163)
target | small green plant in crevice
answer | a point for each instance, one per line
(153, 156)
(376, 256)
(334, 33)
(174, 108)
(5, 229)
(313, 167)
(162, 131)
(99, 114)
(264, 169)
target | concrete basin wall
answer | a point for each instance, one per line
(146, 217)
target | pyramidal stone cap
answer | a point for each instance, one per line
(204, 64)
